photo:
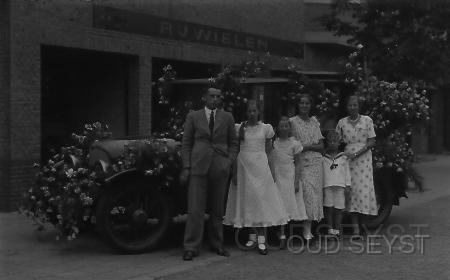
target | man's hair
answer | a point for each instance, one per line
(211, 88)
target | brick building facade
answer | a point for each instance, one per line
(97, 57)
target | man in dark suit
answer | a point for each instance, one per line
(209, 147)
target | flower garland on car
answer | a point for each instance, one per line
(67, 187)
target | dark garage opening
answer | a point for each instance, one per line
(79, 87)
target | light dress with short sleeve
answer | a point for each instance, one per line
(255, 201)
(311, 177)
(282, 157)
(362, 197)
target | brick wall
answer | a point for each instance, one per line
(4, 104)
(67, 23)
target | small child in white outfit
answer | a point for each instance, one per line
(336, 179)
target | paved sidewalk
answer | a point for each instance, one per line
(27, 254)
(435, 170)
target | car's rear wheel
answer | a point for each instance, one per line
(134, 218)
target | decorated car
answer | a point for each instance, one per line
(135, 208)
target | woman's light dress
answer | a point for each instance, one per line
(255, 201)
(362, 197)
(308, 133)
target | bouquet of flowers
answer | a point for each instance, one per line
(169, 74)
(65, 187)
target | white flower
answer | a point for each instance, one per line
(88, 201)
(69, 173)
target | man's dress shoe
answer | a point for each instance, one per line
(220, 251)
(189, 255)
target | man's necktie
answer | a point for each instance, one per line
(211, 122)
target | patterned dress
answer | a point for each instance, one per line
(282, 158)
(362, 197)
(255, 201)
(308, 132)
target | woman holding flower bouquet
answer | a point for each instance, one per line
(357, 131)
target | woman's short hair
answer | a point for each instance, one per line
(352, 97)
(309, 97)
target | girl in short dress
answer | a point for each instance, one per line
(285, 161)
(253, 199)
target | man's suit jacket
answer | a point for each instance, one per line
(199, 149)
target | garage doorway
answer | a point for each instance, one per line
(79, 87)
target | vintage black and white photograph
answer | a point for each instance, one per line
(224, 139)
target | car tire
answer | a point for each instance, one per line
(134, 219)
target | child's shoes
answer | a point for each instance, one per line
(262, 248)
(251, 241)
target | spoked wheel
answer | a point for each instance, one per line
(134, 219)
(385, 202)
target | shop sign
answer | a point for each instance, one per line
(145, 24)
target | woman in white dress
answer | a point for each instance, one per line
(253, 199)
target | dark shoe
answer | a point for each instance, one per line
(189, 255)
(220, 251)
(356, 236)
(283, 244)
(262, 249)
